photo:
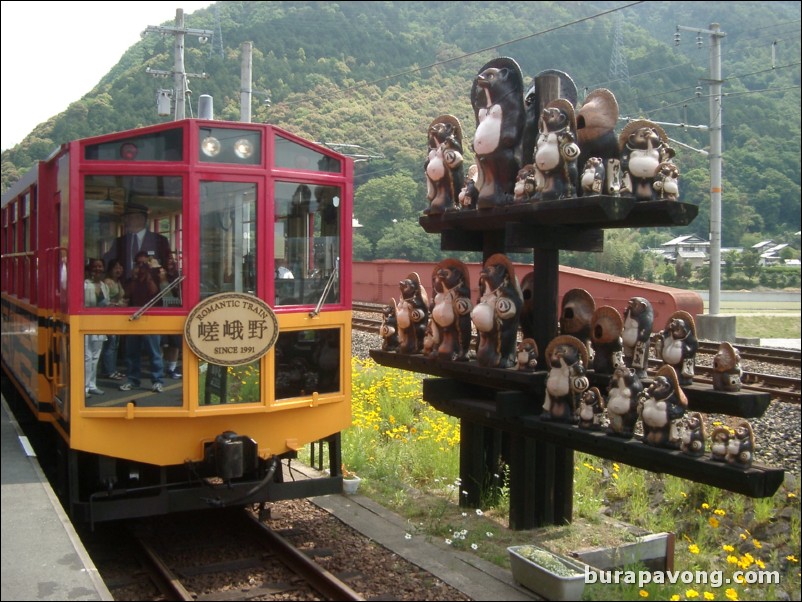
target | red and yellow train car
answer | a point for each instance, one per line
(199, 391)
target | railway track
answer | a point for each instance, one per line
(237, 557)
(782, 388)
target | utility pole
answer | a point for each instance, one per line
(180, 82)
(715, 82)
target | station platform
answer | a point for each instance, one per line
(43, 557)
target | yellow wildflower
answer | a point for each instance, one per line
(693, 548)
(709, 596)
(731, 594)
(643, 593)
(705, 506)
(713, 522)
(727, 548)
(720, 512)
(792, 558)
(691, 593)
(674, 598)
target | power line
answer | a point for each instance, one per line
(463, 56)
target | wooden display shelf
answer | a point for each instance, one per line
(742, 404)
(589, 212)
(451, 397)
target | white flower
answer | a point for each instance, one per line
(489, 533)
(479, 512)
(465, 493)
(464, 514)
(408, 536)
(474, 546)
(448, 542)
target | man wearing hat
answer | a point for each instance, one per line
(137, 238)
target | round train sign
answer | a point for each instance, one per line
(231, 329)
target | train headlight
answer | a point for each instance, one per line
(243, 148)
(210, 146)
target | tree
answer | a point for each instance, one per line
(407, 240)
(382, 200)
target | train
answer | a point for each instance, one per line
(229, 243)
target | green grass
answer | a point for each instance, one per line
(769, 320)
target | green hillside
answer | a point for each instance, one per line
(376, 74)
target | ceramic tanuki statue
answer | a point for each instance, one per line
(598, 144)
(719, 442)
(497, 100)
(556, 152)
(412, 314)
(644, 147)
(677, 344)
(466, 199)
(741, 446)
(693, 435)
(666, 183)
(497, 314)
(605, 338)
(638, 322)
(727, 368)
(591, 181)
(567, 359)
(591, 409)
(661, 406)
(524, 184)
(389, 328)
(527, 355)
(451, 310)
(443, 167)
(576, 313)
(622, 401)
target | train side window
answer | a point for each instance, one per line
(294, 156)
(306, 241)
(125, 215)
(228, 238)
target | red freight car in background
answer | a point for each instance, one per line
(377, 282)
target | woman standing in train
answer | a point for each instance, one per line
(96, 294)
(114, 272)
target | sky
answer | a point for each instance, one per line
(55, 52)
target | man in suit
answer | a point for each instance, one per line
(137, 238)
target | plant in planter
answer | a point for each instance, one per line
(549, 575)
(350, 481)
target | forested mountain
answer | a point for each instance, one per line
(377, 73)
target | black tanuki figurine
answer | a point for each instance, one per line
(638, 322)
(412, 314)
(661, 406)
(497, 99)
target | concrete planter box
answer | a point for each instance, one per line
(655, 551)
(559, 578)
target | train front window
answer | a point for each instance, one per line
(126, 217)
(308, 361)
(162, 146)
(227, 238)
(306, 243)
